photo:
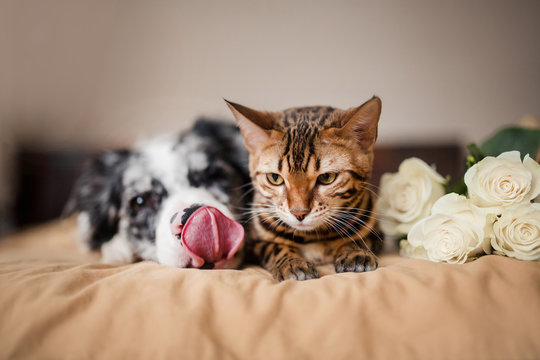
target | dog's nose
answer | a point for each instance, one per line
(300, 214)
(178, 220)
(188, 211)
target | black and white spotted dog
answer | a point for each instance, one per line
(174, 200)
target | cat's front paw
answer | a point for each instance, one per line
(295, 269)
(359, 260)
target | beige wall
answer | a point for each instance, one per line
(101, 73)
(6, 138)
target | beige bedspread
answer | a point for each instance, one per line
(57, 303)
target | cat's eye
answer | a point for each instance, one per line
(327, 178)
(274, 179)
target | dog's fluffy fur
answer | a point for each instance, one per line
(125, 199)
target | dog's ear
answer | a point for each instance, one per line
(97, 197)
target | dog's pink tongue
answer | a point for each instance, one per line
(211, 237)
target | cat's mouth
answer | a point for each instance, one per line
(309, 223)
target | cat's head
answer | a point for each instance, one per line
(310, 163)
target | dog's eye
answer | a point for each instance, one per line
(140, 201)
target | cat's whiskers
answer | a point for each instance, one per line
(276, 223)
(340, 229)
(367, 248)
(377, 214)
(336, 226)
(351, 216)
(376, 187)
(259, 209)
(263, 210)
(259, 212)
(354, 215)
(242, 186)
(246, 193)
(372, 192)
(344, 227)
(252, 206)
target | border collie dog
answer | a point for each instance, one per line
(175, 200)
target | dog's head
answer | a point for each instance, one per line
(174, 200)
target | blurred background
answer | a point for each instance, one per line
(77, 76)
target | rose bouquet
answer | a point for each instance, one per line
(492, 210)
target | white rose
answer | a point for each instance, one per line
(413, 252)
(503, 181)
(407, 196)
(517, 232)
(454, 232)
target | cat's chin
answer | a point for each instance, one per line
(309, 224)
(300, 226)
(304, 227)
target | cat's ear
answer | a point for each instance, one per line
(256, 126)
(361, 122)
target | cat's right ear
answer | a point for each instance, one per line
(256, 126)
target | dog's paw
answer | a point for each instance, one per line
(295, 269)
(117, 251)
(358, 260)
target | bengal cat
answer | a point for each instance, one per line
(310, 168)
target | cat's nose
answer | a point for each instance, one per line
(300, 214)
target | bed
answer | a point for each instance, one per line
(57, 302)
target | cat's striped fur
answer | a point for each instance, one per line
(312, 205)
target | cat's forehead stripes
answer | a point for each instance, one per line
(313, 115)
(301, 128)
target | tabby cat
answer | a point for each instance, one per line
(312, 205)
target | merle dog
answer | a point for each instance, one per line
(173, 200)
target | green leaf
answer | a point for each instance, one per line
(475, 155)
(458, 187)
(526, 141)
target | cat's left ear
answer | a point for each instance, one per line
(361, 122)
(256, 126)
